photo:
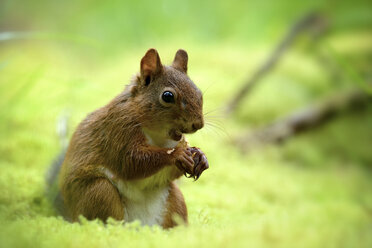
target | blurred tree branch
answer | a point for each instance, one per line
(317, 113)
(311, 21)
(305, 119)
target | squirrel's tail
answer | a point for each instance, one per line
(53, 171)
(51, 177)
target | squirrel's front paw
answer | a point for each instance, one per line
(200, 162)
(184, 161)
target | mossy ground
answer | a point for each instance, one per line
(313, 191)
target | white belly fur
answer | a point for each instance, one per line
(145, 199)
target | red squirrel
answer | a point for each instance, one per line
(123, 158)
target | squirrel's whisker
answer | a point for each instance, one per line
(217, 127)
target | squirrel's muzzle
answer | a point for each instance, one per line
(197, 125)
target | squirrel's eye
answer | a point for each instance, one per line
(168, 97)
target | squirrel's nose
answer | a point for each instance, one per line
(197, 125)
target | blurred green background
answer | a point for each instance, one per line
(67, 58)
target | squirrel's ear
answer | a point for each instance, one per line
(150, 66)
(180, 61)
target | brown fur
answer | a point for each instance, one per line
(112, 137)
(175, 207)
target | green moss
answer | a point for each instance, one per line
(313, 191)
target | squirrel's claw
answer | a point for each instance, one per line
(200, 162)
(185, 163)
(192, 162)
(200, 167)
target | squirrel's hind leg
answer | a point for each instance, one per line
(176, 211)
(99, 199)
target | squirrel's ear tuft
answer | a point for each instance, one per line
(180, 61)
(150, 66)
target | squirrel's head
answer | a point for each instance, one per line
(167, 97)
